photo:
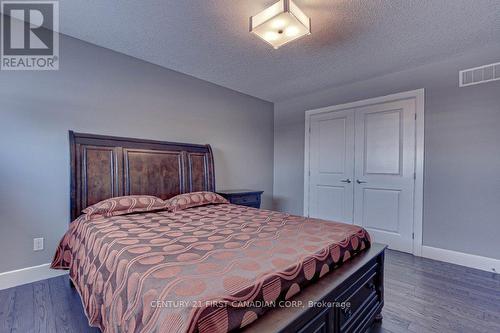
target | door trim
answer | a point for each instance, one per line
(419, 97)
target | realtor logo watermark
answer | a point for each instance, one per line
(29, 35)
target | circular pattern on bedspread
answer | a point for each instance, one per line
(167, 272)
(190, 288)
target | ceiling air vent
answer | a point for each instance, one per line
(481, 74)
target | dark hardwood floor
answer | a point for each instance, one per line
(421, 295)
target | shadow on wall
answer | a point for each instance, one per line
(280, 202)
(221, 167)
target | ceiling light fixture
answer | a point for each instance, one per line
(281, 23)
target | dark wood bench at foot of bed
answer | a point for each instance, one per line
(359, 282)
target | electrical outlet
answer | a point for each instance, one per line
(37, 244)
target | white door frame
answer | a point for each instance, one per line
(419, 97)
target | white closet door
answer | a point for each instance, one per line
(384, 172)
(331, 165)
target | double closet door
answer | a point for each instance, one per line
(362, 169)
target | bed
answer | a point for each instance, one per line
(208, 268)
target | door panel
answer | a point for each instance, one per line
(331, 165)
(382, 142)
(384, 172)
(332, 145)
(330, 202)
(380, 209)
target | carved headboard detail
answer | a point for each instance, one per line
(103, 167)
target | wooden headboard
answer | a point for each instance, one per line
(103, 167)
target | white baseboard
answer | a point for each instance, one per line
(28, 275)
(463, 259)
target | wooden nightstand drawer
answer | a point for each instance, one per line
(247, 198)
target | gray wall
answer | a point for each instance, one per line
(462, 150)
(103, 92)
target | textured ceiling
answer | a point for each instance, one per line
(351, 39)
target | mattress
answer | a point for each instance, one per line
(214, 268)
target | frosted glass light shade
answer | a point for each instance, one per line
(280, 24)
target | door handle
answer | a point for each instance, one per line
(360, 181)
(348, 181)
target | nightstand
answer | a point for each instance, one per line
(249, 198)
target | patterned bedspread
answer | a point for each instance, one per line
(204, 269)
